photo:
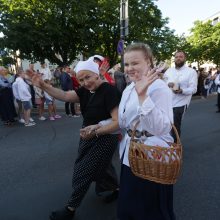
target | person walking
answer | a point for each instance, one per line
(182, 80)
(67, 85)
(146, 100)
(97, 142)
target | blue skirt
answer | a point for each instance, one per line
(140, 199)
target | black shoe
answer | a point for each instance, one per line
(218, 111)
(112, 197)
(62, 214)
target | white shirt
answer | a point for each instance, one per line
(187, 79)
(155, 115)
(46, 73)
(15, 90)
(217, 82)
(23, 90)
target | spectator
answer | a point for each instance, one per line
(17, 98)
(45, 71)
(217, 82)
(182, 80)
(67, 85)
(119, 78)
(7, 108)
(25, 97)
(51, 104)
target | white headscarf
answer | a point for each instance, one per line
(101, 58)
(87, 65)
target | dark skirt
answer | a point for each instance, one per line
(140, 199)
(93, 164)
(7, 108)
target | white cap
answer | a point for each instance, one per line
(87, 65)
(97, 56)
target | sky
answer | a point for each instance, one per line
(183, 13)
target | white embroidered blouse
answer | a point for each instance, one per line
(155, 115)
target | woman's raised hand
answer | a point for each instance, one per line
(104, 67)
(147, 79)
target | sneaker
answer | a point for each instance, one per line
(52, 118)
(22, 121)
(42, 118)
(75, 116)
(63, 214)
(31, 120)
(29, 124)
(57, 116)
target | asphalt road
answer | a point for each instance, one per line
(36, 166)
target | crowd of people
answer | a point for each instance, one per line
(111, 104)
(19, 96)
(206, 82)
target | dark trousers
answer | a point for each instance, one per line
(7, 108)
(32, 96)
(70, 107)
(178, 114)
(93, 165)
(218, 101)
(140, 199)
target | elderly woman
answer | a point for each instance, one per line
(97, 143)
(146, 100)
(7, 108)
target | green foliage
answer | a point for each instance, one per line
(61, 29)
(204, 42)
(6, 60)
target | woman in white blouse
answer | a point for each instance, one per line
(148, 100)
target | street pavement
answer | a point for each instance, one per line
(36, 166)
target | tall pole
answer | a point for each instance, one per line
(123, 27)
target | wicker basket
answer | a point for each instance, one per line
(155, 163)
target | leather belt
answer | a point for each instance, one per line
(139, 134)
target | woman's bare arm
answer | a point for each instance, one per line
(36, 80)
(111, 127)
(69, 96)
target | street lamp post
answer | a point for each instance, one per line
(123, 28)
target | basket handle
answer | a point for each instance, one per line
(173, 126)
(178, 141)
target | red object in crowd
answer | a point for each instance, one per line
(75, 82)
(106, 74)
(109, 78)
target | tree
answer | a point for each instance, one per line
(204, 42)
(61, 29)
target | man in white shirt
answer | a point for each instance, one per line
(182, 80)
(45, 71)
